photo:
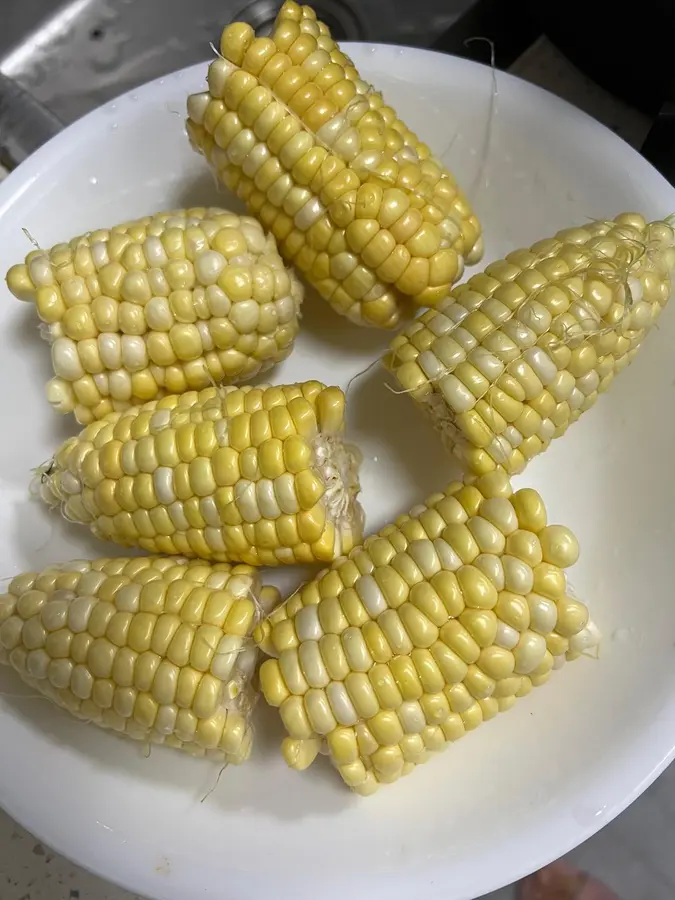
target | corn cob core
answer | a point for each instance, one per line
(154, 648)
(518, 353)
(433, 626)
(356, 201)
(256, 474)
(166, 304)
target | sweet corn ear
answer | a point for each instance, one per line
(169, 303)
(433, 626)
(260, 475)
(356, 201)
(157, 649)
(519, 352)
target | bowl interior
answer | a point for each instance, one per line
(518, 792)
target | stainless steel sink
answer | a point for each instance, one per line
(72, 56)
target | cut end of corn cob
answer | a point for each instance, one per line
(157, 649)
(169, 303)
(433, 626)
(519, 352)
(260, 475)
(356, 201)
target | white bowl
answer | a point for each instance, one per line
(520, 791)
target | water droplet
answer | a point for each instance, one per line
(375, 458)
(133, 97)
(162, 80)
(93, 180)
(113, 127)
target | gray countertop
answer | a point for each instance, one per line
(633, 855)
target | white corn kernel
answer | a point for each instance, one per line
(371, 596)
(307, 624)
(341, 704)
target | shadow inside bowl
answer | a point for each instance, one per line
(396, 440)
(318, 791)
(330, 328)
(206, 190)
(44, 537)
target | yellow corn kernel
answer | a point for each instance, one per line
(382, 251)
(117, 651)
(299, 754)
(405, 646)
(343, 746)
(497, 397)
(171, 298)
(200, 488)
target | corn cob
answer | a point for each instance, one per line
(433, 626)
(154, 648)
(518, 353)
(170, 303)
(254, 474)
(356, 201)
